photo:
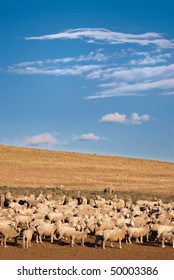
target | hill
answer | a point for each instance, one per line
(25, 167)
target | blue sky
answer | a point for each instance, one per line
(88, 76)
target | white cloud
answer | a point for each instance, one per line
(137, 78)
(74, 70)
(88, 137)
(149, 59)
(134, 89)
(129, 74)
(41, 139)
(115, 117)
(121, 118)
(61, 66)
(136, 119)
(168, 93)
(134, 80)
(92, 35)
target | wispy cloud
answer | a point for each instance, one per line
(148, 59)
(135, 118)
(168, 93)
(134, 81)
(134, 71)
(73, 66)
(73, 70)
(88, 137)
(97, 35)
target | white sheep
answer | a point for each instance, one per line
(167, 236)
(23, 219)
(65, 231)
(27, 237)
(79, 235)
(112, 235)
(139, 232)
(45, 229)
(8, 232)
(161, 228)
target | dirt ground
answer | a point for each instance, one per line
(62, 251)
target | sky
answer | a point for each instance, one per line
(88, 76)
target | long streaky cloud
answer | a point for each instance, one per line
(94, 35)
(134, 89)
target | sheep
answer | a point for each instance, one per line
(23, 219)
(7, 221)
(138, 233)
(105, 225)
(141, 221)
(93, 227)
(9, 232)
(46, 229)
(79, 235)
(27, 237)
(161, 228)
(117, 234)
(118, 203)
(65, 231)
(167, 235)
(55, 216)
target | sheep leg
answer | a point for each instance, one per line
(54, 237)
(147, 237)
(2, 241)
(72, 243)
(137, 240)
(37, 238)
(5, 241)
(82, 242)
(103, 244)
(111, 244)
(141, 239)
(129, 239)
(163, 246)
(40, 238)
(120, 244)
(24, 242)
(29, 242)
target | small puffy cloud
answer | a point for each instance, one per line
(121, 118)
(88, 137)
(41, 139)
(136, 119)
(115, 117)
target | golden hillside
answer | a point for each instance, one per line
(24, 167)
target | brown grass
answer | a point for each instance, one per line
(25, 168)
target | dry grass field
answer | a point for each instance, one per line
(25, 168)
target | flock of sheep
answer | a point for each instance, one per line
(34, 218)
